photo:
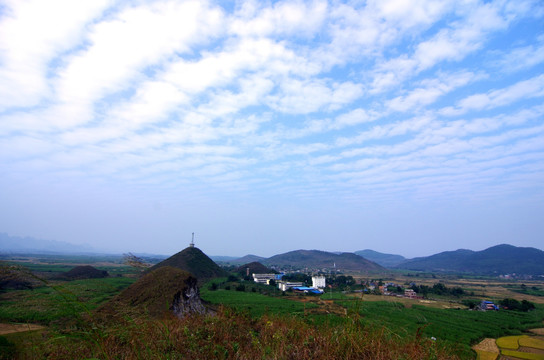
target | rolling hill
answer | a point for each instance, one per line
(193, 260)
(496, 260)
(317, 259)
(254, 268)
(385, 260)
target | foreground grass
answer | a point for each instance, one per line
(231, 335)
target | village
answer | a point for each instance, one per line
(319, 286)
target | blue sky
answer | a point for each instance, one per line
(407, 127)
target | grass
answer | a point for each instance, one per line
(59, 301)
(233, 335)
(254, 303)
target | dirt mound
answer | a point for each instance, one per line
(84, 272)
(193, 260)
(15, 278)
(163, 290)
(255, 267)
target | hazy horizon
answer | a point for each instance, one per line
(403, 127)
(40, 245)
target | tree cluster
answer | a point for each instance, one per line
(513, 304)
(438, 289)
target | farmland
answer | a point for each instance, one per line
(446, 322)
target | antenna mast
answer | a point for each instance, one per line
(192, 244)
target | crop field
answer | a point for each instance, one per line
(456, 326)
(532, 290)
(254, 303)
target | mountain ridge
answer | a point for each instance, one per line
(498, 259)
(383, 259)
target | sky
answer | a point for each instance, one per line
(407, 127)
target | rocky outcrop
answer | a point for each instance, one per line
(187, 301)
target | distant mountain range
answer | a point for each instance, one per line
(16, 244)
(496, 260)
(385, 260)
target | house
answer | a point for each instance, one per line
(305, 289)
(409, 293)
(318, 282)
(488, 305)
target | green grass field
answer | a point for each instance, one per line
(59, 300)
(254, 303)
(455, 326)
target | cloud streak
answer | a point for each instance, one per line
(344, 103)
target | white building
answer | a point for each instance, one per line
(284, 285)
(263, 278)
(318, 282)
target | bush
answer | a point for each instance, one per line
(232, 278)
(513, 304)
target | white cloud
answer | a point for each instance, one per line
(295, 18)
(134, 39)
(452, 43)
(522, 58)
(525, 89)
(32, 36)
(310, 102)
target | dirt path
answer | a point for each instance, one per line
(537, 331)
(13, 328)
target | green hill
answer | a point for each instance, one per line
(194, 261)
(254, 268)
(317, 259)
(163, 290)
(496, 260)
(385, 260)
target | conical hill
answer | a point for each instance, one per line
(164, 290)
(193, 260)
